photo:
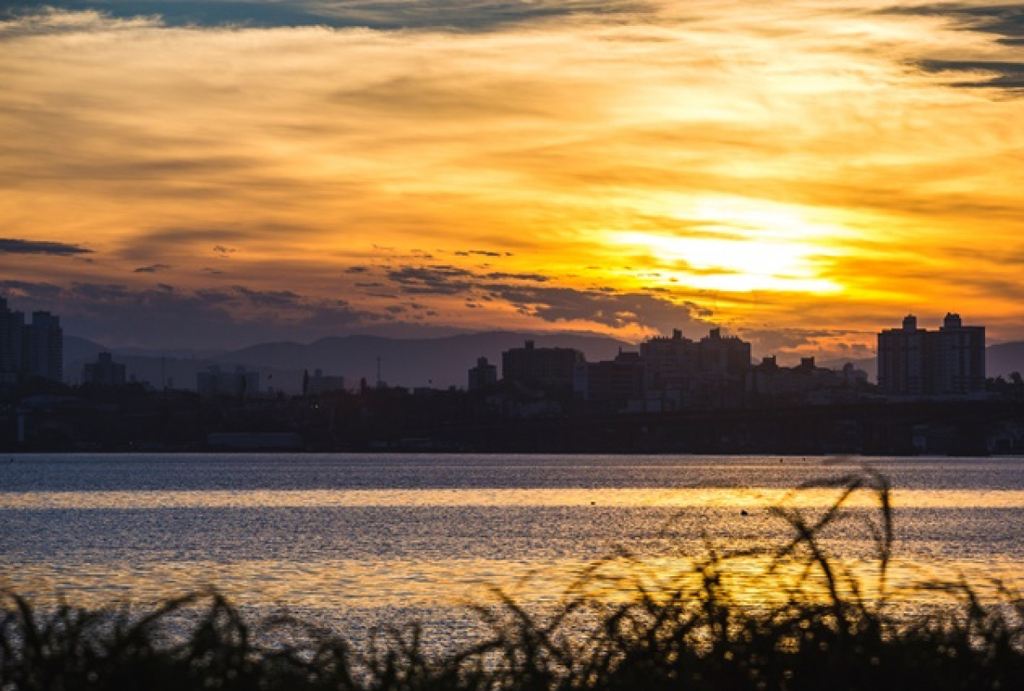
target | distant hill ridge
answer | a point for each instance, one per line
(437, 362)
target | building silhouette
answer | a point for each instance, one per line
(682, 373)
(483, 375)
(104, 372)
(34, 350)
(12, 328)
(917, 362)
(542, 368)
(805, 383)
(610, 385)
(44, 346)
(321, 383)
(238, 383)
(671, 362)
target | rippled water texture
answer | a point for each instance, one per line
(377, 533)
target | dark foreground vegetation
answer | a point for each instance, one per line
(824, 633)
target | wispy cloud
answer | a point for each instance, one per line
(980, 73)
(1003, 20)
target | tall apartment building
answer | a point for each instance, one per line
(44, 347)
(30, 350)
(12, 330)
(917, 362)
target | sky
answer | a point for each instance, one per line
(802, 174)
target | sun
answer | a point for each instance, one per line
(738, 245)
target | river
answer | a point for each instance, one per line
(368, 539)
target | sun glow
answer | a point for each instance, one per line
(738, 245)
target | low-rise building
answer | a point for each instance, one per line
(321, 383)
(483, 375)
(610, 385)
(551, 369)
(683, 373)
(239, 383)
(104, 372)
(768, 384)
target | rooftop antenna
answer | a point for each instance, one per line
(378, 372)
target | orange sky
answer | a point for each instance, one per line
(802, 174)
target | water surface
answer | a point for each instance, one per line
(418, 533)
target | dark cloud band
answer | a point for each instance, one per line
(13, 246)
(152, 268)
(1005, 75)
(465, 15)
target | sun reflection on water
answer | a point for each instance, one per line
(443, 585)
(656, 497)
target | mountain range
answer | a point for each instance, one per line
(428, 362)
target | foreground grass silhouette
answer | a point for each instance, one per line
(693, 633)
